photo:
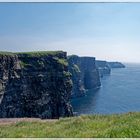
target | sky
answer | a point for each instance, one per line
(107, 31)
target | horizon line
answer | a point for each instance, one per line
(71, 54)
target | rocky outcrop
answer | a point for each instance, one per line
(85, 75)
(103, 67)
(35, 85)
(116, 65)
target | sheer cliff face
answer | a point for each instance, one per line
(35, 85)
(103, 67)
(85, 75)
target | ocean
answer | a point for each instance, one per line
(119, 93)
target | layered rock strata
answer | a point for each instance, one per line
(85, 75)
(35, 85)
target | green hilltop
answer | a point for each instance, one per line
(39, 53)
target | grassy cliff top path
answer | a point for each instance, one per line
(121, 125)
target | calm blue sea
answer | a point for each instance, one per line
(119, 93)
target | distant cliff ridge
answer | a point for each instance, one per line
(85, 75)
(103, 67)
(116, 65)
(35, 85)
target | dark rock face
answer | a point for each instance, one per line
(35, 86)
(103, 67)
(116, 65)
(85, 75)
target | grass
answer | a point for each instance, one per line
(32, 54)
(6, 53)
(62, 61)
(55, 54)
(106, 126)
(25, 63)
(39, 53)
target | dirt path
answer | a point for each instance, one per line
(7, 121)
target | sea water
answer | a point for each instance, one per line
(119, 93)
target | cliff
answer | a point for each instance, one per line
(116, 65)
(85, 75)
(35, 85)
(103, 67)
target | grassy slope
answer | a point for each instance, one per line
(125, 125)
